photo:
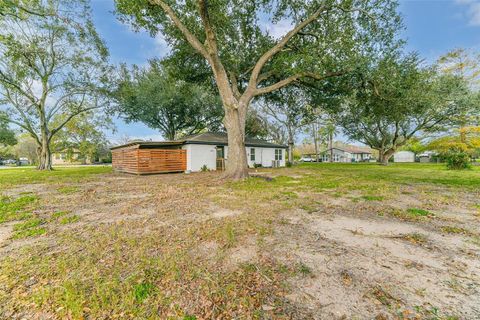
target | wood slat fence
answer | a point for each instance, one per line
(149, 161)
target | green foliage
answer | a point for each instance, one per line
(457, 160)
(397, 99)
(84, 134)
(204, 168)
(7, 136)
(174, 107)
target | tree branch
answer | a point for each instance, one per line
(289, 80)
(190, 37)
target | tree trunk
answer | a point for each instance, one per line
(315, 140)
(290, 151)
(291, 145)
(385, 156)
(330, 142)
(236, 165)
(45, 155)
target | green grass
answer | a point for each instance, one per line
(373, 198)
(398, 173)
(16, 209)
(28, 228)
(68, 189)
(18, 176)
(415, 212)
(69, 219)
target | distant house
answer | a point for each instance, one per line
(66, 157)
(205, 151)
(403, 156)
(427, 156)
(347, 154)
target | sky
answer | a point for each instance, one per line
(433, 27)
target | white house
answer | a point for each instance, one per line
(347, 154)
(193, 153)
(403, 156)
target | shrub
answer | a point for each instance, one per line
(457, 160)
(289, 164)
(257, 165)
(204, 168)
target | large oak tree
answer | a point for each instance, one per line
(398, 99)
(50, 65)
(326, 39)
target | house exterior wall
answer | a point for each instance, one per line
(404, 156)
(199, 155)
(61, 158)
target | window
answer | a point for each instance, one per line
(278, 154)
(252, 154)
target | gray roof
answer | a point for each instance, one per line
(210, 138)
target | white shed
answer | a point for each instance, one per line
(404, 156)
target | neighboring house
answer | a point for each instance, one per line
(66, 157)
(427, 156)
(347, 154)
(403, 156)
(193, 153)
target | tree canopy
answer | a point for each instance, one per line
(172, 106)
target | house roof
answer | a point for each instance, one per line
(352, 149)
(209, 138)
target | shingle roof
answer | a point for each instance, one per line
(220, 138)
(211, 138)
(352, 149)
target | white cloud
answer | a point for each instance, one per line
(161, 45)
(473, 10)
(278, 29)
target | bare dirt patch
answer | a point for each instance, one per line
(193, 245)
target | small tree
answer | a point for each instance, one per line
(84, 134)
(51, 66)
(326, 40)
(397, 100)
(174, 107)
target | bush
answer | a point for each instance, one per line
(457, 160)
(257, 165)
(204, 168)
(289, 164)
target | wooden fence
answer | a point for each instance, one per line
(149, 161)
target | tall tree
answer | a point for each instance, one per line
(326, 40)
(85, 133)
(398, 100)
(289, 108)
(51, 66)
(174, 107)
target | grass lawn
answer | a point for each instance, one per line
(18, 176)
(330, 241)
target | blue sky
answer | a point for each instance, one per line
(433, 28)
